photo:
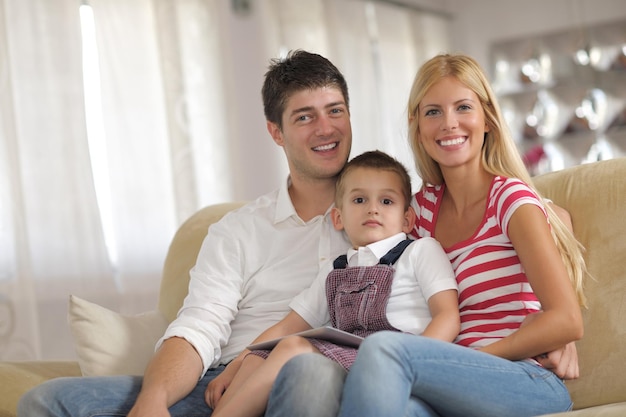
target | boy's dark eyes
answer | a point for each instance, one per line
(361, 200)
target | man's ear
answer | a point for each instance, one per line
(275, 133)
(409, 220)
(335, 215)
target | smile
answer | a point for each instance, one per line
(452, 142)
(326, 147)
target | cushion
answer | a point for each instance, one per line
(109, 343)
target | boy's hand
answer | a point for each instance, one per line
(218, 385)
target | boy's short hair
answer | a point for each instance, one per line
(376, 160)
(299, 70)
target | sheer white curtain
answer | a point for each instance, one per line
(117, 127)
(92, 194)
(50, 228)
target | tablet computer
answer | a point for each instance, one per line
(325, 333)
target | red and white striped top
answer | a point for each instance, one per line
(494, 293)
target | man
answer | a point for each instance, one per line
(251, 264)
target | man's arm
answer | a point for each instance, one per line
(172, 373)
(177, 365)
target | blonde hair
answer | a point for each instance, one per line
(499, 153)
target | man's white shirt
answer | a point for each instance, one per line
(250, 266)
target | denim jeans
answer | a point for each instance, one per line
(296, 393)
(397, 374)
(103, 396)
(308, 385)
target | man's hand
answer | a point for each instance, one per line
(149, 408)
(218, 385)
(563, 362)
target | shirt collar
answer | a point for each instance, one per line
(380, 248)
(284, 205)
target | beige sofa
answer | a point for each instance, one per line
(595, 196)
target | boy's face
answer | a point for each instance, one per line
(316, 134)
(372, 207)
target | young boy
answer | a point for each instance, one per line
(364, 293)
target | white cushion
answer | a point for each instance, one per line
(109, 343)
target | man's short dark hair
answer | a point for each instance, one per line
(299, 70)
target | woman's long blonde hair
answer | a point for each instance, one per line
(500, 155)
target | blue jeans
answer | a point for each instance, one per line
(103, 396)
(311, 385)
(308, 385)
(296, 386)
(397, 374)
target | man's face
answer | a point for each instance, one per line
(316, 133)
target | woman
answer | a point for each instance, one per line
(518, 268)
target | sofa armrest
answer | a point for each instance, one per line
(18, 377)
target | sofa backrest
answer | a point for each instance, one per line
(595, 196)
(182, 254)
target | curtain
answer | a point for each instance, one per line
(93, 193)
(50, 227)
(119, 119)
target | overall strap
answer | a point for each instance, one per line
(392, 256)
(389, 259)
(341, 262)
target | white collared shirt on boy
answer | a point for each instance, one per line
(423, 270)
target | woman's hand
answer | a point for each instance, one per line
(563, 362)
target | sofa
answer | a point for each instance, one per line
(595, 196)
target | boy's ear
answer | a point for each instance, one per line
(335, 215)
(409, 220)
(275, 133)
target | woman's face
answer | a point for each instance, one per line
(451, 123)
